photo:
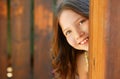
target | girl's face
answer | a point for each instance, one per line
(75, 28)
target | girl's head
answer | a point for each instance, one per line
(70, 35)
(72, 18)
(75, 29)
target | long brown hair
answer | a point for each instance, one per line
(63, 55)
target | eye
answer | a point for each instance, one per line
(82, 21)
(68, 32)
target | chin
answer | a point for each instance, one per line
(85, 49)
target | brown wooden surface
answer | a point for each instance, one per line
(113, 42)
(98, 37)
(3, 39)
(43, 16)
(20, 37)
(104, 39)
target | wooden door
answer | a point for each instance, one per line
(104, 52)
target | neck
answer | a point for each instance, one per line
(82, 66)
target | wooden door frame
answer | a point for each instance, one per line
(104, 52)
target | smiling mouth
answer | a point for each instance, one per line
(84, 41)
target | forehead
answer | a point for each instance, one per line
(68, 17)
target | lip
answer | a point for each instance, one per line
(84, 41)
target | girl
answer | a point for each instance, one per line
(70, 40)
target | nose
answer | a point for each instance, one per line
(79, 35)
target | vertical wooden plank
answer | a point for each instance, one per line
(3, 39)
(113, 43)
(98, 39)
(104, 39)
(43, 17)
(20, 38)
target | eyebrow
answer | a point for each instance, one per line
(78, 19)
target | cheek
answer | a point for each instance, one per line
(71, 41)
(85, 29)
(87, 26)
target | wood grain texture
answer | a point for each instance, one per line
(3, 39)
(98, 39)
(20, 38)
(104, 39)
(43, 21)
(113, 43)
